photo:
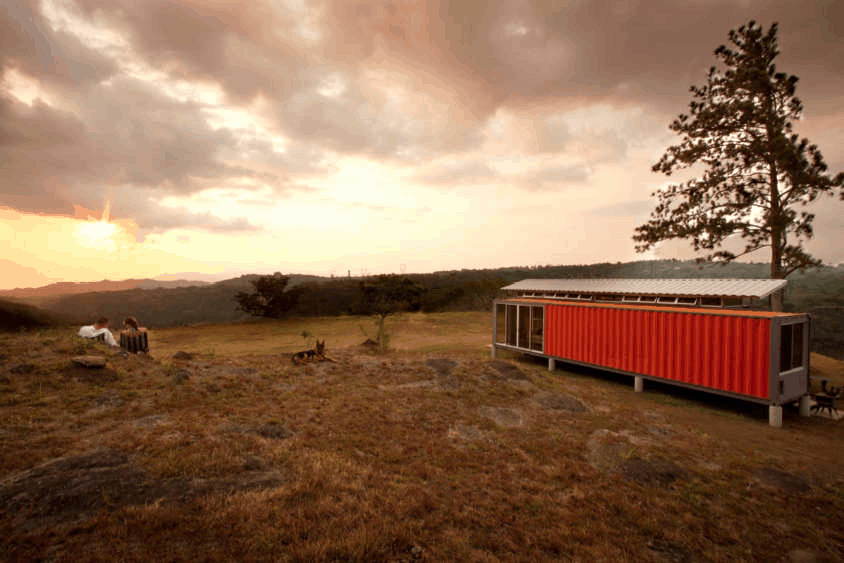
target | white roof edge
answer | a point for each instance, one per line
(721, 287)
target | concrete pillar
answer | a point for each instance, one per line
(552, 364)
(638, 383)
(493, 351)
(804, 405)
(775, 416)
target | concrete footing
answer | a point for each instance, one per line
(804, 406)
(638, 383)
(552, 364)
(775, 416)
(493, 351)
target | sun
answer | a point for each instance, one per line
(96, 234)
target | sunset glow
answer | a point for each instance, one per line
(96, 235)
(147, 139)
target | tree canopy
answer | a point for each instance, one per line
(386, 295)
(757, 171)
(271, 298)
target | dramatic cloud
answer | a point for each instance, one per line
(445, 123)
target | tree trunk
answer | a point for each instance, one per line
(777, 236)
(380, 330)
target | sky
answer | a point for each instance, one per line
(210, 138)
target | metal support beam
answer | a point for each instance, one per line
(804, 405)
(775, 416)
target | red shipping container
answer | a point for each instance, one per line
(757, 355)
(725, 352)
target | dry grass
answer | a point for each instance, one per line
(239, 455)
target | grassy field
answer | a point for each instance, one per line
(428, 452)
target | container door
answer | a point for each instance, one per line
(792, 348)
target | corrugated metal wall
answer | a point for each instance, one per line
(723, 352)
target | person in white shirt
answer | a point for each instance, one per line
(96, 329)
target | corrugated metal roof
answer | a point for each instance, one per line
(674, 287)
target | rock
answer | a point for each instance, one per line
(72, 489)
(508, 418)
(442, 366)
(89, 361)
(507, 370)
(22, 368)
(180, 376)
(465, 432)
(559, 402)
(653, 473)
(181, 355)
(777, 479)
(802, 556)
(272, 430)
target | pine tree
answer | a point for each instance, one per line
(758, 172)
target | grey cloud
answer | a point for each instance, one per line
(236, 45)
(645, 52)
(28, 44)
(52, 161)
(353, 123)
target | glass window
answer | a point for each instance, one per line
(791, 346)
(786, 340)
(524, 326)
(500, 323)
(797, 347)
(536, 331)
(511, 325)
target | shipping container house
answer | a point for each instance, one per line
(695, 333)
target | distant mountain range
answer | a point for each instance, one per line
(70, 288)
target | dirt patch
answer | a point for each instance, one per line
(615, 452)
(559, 402)
(508, 418)
(90, 375)
(653, 473)
(22, 368)
(670, 553)
(506, 370)
(151, 420)
(411, 385)
(465, 432)
(204, 369)
(72, 489)
(441, 366)
(273, 431)
(606, 450)
(777, 479)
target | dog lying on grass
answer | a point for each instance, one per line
(314, 354)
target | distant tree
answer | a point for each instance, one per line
(271, 298)
(385, 295)
(757, 171)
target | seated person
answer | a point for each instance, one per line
(98, 328)
(131, 324)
